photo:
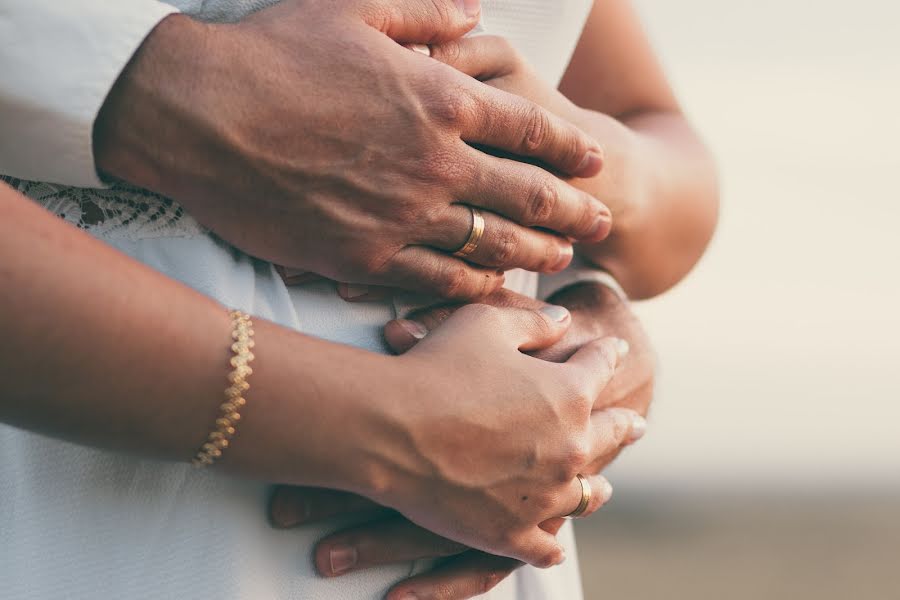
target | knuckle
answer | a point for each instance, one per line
(588, 214)
(448, 52)
(373, 265)
(450, 109)
(440, 166)
(542, 201)
(537, 129)
(575, 456)
(507, 248)
(582, 399)
(441, 12)
(573, 148)
(621, 428)
(454, 282)
(545, 501)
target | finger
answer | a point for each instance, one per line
(530, 196)
(508, 122)
(630, 427)
(380, 543)
(601, 492)
(420, 269)
(402, 334)
(552, 526)
(596, 363)
(291, 506)
(482, 57)
(470, 575)
(504, 245)
(527, 329)
(296, 276)
(420, 21)
(352, 292)
(540, 549)
(614, 428)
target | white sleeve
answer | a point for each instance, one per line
(578, 272)
(58, 61)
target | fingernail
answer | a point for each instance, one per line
(591, 164)
(606, 492)
(409, 596)
(565, 258)
(288, 513)
(470, 8)
(342, 559)
(556, 313)
(602, 226)
(622, 349)
(415, 329)
(420, 48)
(355, 291)
(638, 428)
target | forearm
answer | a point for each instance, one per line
(661, 184)
(103, 351)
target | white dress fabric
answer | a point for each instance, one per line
(82, 523)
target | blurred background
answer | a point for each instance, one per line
(772, 465)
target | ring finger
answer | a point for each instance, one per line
(533, 197)
(600, 492)
(504, 244)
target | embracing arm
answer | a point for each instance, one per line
(103, 351)
(658, 179)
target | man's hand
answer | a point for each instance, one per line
(307, 135)
(390, 538)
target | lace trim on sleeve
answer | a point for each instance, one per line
(118, 212)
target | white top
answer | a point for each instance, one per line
(82, 523)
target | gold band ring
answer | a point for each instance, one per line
(586, 494)
(474, 236)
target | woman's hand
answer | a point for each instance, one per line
(389, 538)
(486, 443)
(305, 135)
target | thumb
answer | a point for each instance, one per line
(402, 334)
(422, 21)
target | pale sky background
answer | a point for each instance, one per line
(780, 355)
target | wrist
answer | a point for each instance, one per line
(136, 128)
(314, 412)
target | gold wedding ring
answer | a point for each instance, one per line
(586, 494)
(474, 236)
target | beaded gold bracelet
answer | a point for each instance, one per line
(220, 438)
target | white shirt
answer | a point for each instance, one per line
(59, 59)
(84, 523)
